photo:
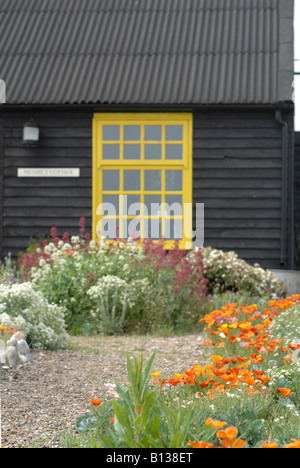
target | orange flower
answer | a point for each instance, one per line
(234, 443)
(285, 392)
(229, 433)
(294, 444)
(215, 424)
(228, 438)
(96, 402)
(271, 445)
(200, 444)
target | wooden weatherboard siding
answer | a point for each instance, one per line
(1, 187)
(297, 200)
(237, 174)
(33, 205)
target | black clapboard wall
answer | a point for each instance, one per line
(33, 205)
(237, 174)
(297, 200)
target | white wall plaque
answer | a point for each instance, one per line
(48, 172)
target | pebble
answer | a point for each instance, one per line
(44, 398)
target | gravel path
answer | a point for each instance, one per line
(41, 400)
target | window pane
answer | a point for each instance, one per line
(111, 132)
(173, 180)
(132, 151)
(173, 151)
(152, 151)
(109, 228)
(152, 229)
(132, 180)
(152, 180)
(111, 151)
(133, 205)
(153, 132)
(174, 132)
(132, 132)
(111, 180)
(133, 228)
(110, 205)
(174, 205)
(153, 205)
(173, 229)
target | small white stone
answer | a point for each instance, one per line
(24, 351)
(11, 355)
(19, 336)
(12, 342)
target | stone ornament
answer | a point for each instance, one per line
(15, 352)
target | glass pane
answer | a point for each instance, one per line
(133, 228)
(111, 180)
(173, 180)
(152, 180)
(153, 205)
(132, 151)
(108, 228)
(152, 151)
(111, 151)
(133, 205)
(110, 204)
(174, 132)
(173, 229)
(152, 229)
(132, 132)
(174, 205)
(153, 132)
(111, 132)
(173, 151)
(132, 180)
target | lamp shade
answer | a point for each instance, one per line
(31, 132)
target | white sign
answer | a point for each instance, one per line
(48, 172)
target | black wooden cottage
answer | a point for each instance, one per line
(160, 100)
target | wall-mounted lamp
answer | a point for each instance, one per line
(31, 133)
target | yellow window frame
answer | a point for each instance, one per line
(142, 164)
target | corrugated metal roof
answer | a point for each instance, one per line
(146, 51)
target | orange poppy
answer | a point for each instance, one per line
(285, 392)
(228, 438)
(200, 444)
(96, 402)
(271, 445)
(234, 443)
(215, 424)
(228, 434)
(294, 444)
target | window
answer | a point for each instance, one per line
(142, 176)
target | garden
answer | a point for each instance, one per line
(243, 390)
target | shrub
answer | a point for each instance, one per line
(225, 271)
(7, 271)
(155, 287)
(28, 311)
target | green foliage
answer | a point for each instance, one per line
(27, 310)
(142, 419)
(227, 272)
(116, 287)
(7, 270)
